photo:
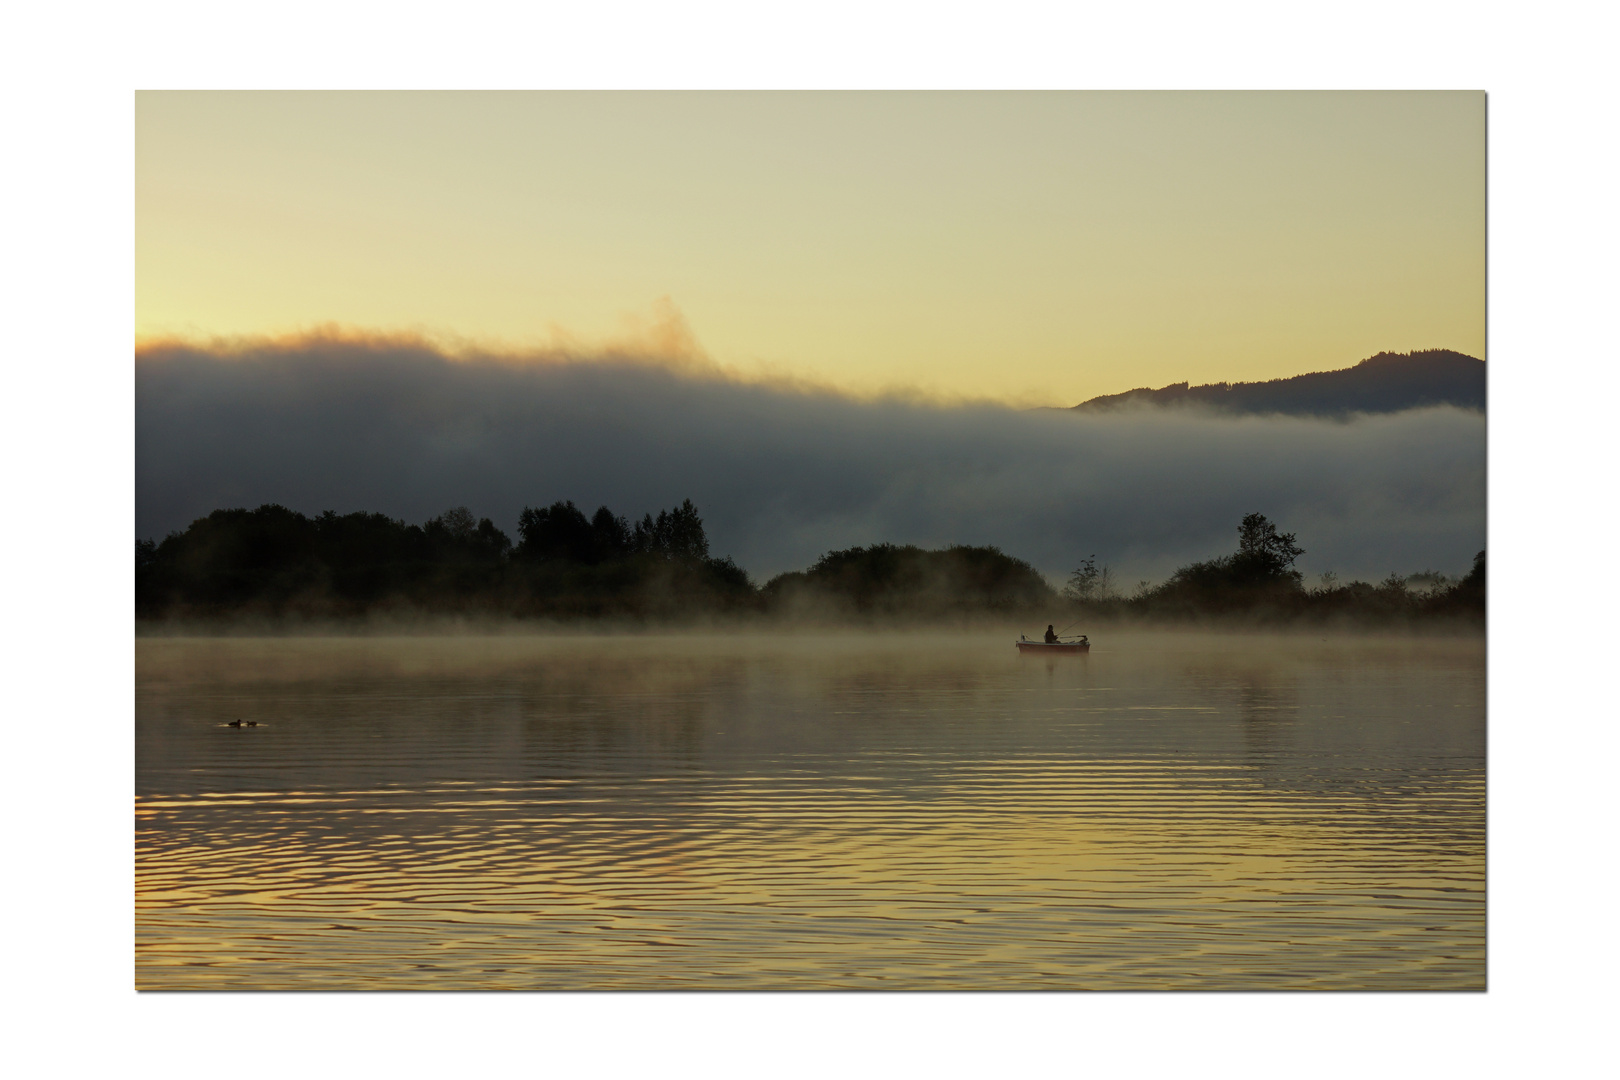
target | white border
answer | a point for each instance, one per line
(68, 442)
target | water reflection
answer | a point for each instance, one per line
(852, 812)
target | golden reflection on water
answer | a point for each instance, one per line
(1173, 811)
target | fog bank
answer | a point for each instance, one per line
(782, 475)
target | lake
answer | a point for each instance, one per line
(834, 812)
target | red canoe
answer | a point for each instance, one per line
(1060, 647)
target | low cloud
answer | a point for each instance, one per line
(783, 474)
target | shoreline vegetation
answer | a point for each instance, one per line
(273, 569)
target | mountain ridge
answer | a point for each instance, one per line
(1385, 383)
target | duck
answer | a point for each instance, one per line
(252, 723)
(234, 723)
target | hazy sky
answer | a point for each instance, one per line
(1032, 247)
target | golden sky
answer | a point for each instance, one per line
(1031, 247)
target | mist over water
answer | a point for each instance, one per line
(782, 475)
(786, 810)
(804, 811)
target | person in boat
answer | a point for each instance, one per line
(1085, 641)
(1051, 638)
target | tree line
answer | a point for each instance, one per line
(1388, 382)
(276, 562)
(1259, 582)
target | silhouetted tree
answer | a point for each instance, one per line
(492, 539)
(1089, 582)
(1259, 574)
(457, 536)
(674, 534)
(457, 522)
(683, 534)
(611, 536)
(1263, 553)
(559, 531)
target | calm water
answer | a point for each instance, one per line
(858, 812)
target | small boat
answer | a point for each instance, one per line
(1082, 645)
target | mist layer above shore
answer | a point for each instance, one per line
(782, 475)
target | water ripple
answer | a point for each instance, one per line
(453, 815)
